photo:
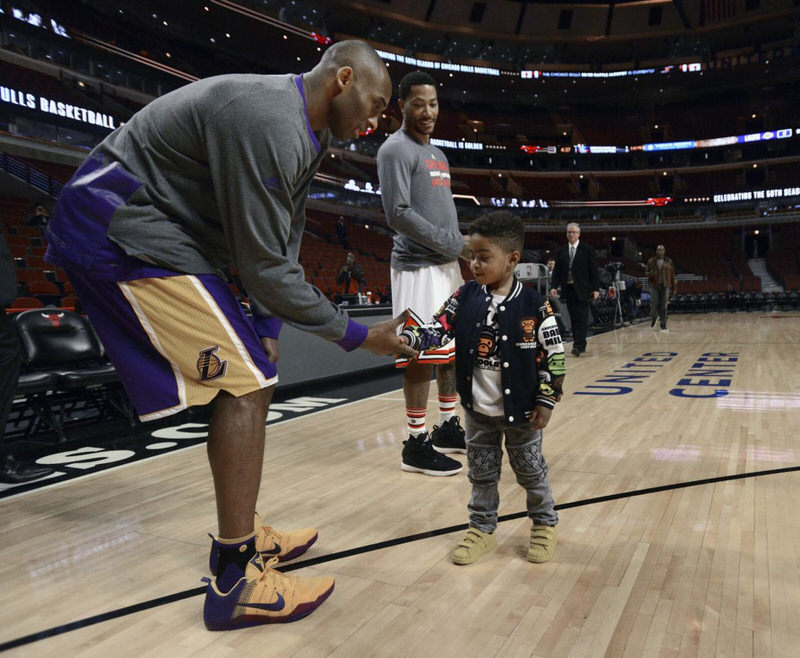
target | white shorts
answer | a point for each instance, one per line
(423, 292)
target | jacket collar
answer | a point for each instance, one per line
(516, 290)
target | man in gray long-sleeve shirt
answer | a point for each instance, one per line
(415, 189)
(210, 175)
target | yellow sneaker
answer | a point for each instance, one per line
(543, 543)
(263, 596)
(475, 545)
(282, 544)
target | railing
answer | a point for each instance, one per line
(30, 175)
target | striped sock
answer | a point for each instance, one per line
(447, 407)
(416, 421)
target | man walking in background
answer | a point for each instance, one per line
(415, 190)
(661, 275)
(575, 274)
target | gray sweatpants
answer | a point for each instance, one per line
(484, 457)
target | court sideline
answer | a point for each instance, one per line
(706, 569)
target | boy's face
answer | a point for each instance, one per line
(491, 265)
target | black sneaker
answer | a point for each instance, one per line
(449, 437)
(420, 457)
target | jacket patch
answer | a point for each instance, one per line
(528, 326)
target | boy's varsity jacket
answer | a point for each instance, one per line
(530, 347)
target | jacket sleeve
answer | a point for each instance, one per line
(556, 277)
(258, 182)
(594, 273)
(550, 364)
(437, 333)
(649, 271)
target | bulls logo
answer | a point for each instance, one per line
(528, 330)
(53, 318)
(209, 364)
(486, 345)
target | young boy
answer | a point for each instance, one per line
(509, 373)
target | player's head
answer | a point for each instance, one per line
(417, 99)
(573, 232)
(660, 251)
(551, 264)
(496, 241)
(359, 87)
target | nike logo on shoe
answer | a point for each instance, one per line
(279, 604)
(275, 550)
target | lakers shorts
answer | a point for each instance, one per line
(176, 341)
(423, 291)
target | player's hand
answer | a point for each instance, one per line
(554, 292)
(595, 295)
(270, 346)
(539, 417)
(383, 339)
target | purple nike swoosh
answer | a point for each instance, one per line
(279, 604)
(272, 551)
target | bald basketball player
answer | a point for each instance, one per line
(211, 175)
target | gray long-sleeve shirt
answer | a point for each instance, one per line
(416, 196)
(220, 171)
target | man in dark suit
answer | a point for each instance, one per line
(576, 275)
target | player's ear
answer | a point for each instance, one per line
(344, 77)
(514, 257)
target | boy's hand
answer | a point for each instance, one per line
(539, 417)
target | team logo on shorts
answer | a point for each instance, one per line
(209, 364)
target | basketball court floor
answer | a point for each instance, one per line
(674, 460)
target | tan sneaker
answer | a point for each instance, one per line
(283, 544)
(475, 545)
(543, 543)
(270, 542)
(263, 596)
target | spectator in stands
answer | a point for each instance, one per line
(214, 174)
(11, 470)
(731, 298)
(661, 275)
(341, 233)
(415, 190)
(351, 276)
(576, 275)
(564, 325)
(39, 216)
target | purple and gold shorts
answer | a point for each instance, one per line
(176, 341)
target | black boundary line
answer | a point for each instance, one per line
(179, 596)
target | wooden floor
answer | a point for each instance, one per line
(711, 569)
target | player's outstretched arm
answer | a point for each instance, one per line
(382, 338)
